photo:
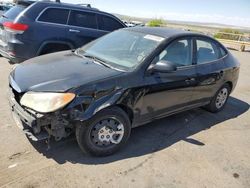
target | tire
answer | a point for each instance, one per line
(94, 136)
(216, 104)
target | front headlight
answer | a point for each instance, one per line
(46, 102)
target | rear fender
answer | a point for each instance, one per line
(53, 42)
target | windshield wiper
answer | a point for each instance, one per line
(95, 59)
(100, 61)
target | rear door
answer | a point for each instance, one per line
(209, 69)
(83, 27)
(52, 24)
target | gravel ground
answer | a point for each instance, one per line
(190, 149)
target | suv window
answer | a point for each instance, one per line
(14, 11)
(178, 52)
(83, 19)
(207, 51)
(54, 15)
(107, 23)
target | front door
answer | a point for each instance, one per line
(169, 92)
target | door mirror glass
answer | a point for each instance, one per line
(164, 67)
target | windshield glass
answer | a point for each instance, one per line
(122, 49)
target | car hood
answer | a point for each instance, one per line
(58, 72)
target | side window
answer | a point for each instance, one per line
(54, 15)
(223, 52)
(108, 24)
(83, 19)
(206, 51)
(178, 52)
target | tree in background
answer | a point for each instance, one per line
(156, 23)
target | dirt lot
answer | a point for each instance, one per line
(191, 149)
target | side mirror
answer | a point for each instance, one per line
(163, 67)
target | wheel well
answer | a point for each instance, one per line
(53, 47)
(128, 111)
(230, 85)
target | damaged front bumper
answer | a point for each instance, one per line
(37, 126)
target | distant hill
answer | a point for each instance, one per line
(185, 23)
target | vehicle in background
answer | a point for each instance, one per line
(31, 28)
(125, 79)
(4, 8)
(133, 23)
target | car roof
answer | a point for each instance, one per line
(69, 5)
(162, 32)
(80, 7)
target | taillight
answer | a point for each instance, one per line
(15, 27)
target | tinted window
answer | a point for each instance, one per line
(14, 11)
(178, 52)
(83, 19)
(54, 15)
(206, 51)
(108, 24)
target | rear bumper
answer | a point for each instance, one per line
(10, 57)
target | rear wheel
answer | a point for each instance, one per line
(219, 100)
(105, 133)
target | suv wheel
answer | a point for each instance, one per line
(105, 133)
(220, 99)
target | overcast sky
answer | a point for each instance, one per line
(233, 12)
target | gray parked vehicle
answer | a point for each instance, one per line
(33, 28)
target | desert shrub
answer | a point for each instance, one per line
(156, 23)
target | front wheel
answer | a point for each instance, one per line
(105, 133)
(219, 100)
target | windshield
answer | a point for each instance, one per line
(122, 49)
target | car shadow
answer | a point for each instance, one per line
(149, 138)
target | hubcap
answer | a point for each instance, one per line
(221, 98)
(107, 132)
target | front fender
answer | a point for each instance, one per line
(96, 105)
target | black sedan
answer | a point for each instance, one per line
(122, 80)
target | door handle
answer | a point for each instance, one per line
(74, 31)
